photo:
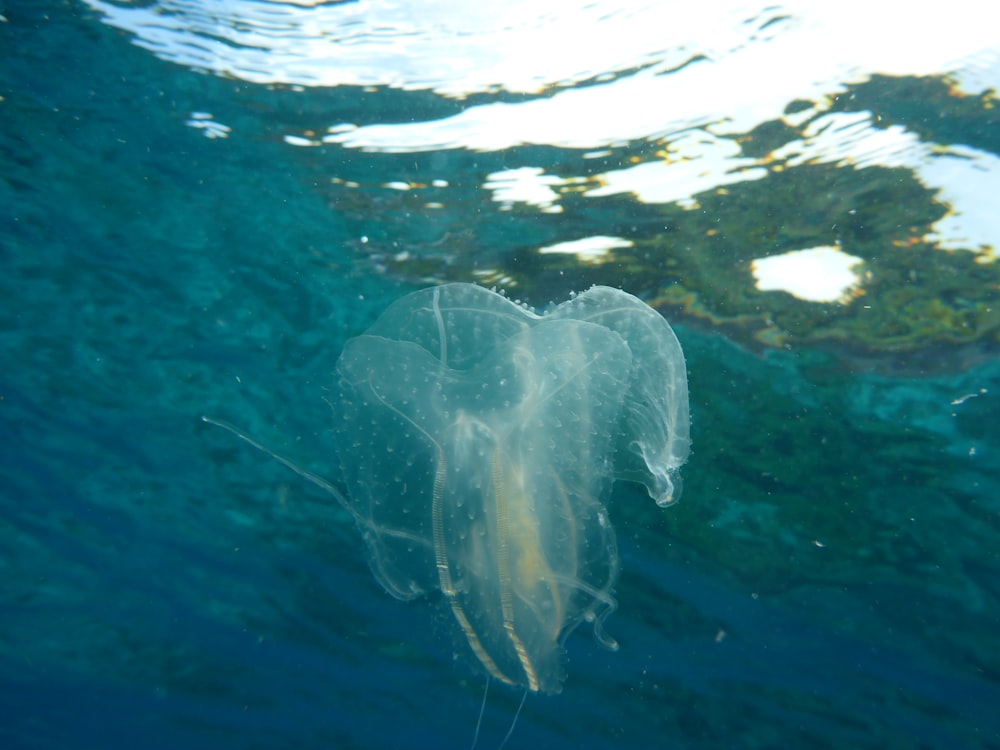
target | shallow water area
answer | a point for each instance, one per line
(203, 203)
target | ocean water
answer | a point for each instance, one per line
(199, 208)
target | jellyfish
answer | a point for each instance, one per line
(478, 442)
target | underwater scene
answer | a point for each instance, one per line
(543, 374)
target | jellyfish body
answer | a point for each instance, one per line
(478, 443)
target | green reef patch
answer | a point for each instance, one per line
(915, 300)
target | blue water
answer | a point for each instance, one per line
(830, 578)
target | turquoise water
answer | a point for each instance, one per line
(829, 579)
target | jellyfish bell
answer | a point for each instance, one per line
(513, 426)
(478, 442)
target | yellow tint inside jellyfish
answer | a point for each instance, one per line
(478, 443)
